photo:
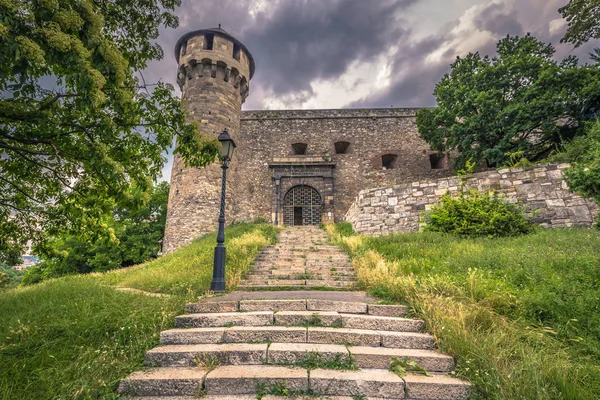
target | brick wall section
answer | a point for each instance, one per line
(541, 191)
(267, 135)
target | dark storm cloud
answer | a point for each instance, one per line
(307, 40)
(498, 20)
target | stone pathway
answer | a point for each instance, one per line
(269, 344)
(302, 258)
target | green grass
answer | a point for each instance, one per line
(75, 337)
(522, 315)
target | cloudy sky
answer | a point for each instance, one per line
(359, 53)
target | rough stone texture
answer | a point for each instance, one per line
(357, 337)
(360, 297)
(273, 305)
(164, 382)
(407, 340)
(274, 334)
(290, 353)
(379, 357)
(256, 318)
(375, 322)
(214, 84)
(241, 379)
(316, 318)
(339, 306)
(386, 310)
(371, 383)
(436, 387)
(194, 355)
(212, 307)
(540, 190)
(192, 336)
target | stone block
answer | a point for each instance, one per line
(355, 337)
(309, 318)
(380, 357)
(436, 387)
(291, 353)
(192, 336)
(247, 334)
(195, 355)
(240, 379)
(256, 318)
(387, 310)
(164, 382)
(407, 340)
(374, 322)
(273, 305)
(212, 307)
(338, 306)
(370, 383)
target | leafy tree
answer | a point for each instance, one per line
(584, 174)
(79, 127)
(4, 280)
(521, 101)
(583, 18)
(596, 55)
(137, 237)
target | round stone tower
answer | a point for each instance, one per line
(214, 75)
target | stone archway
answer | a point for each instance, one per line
(302, 205)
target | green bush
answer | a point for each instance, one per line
(474, 214)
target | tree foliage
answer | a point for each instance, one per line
(520, 101)
(136, 237)
(583, 19)
(79, 127)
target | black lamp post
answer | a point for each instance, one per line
(225, 154)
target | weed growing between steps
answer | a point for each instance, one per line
(521, 315)
(76, 337)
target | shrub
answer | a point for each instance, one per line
(475, 214)
(4, 279)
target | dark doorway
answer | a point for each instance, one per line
(298, 216)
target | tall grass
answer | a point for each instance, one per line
(521, 315)
(75, 337)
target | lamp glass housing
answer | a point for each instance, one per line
(227, 145)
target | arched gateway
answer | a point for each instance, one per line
(302, 206)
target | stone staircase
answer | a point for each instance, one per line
(297, 343)
(302, 259)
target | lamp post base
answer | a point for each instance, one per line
(218, 282)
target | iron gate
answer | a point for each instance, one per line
(302, 206)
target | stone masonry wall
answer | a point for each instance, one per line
(268, 135)
(541, 191)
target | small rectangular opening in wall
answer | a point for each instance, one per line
(208, 41)
(236, 51)
(299, 148)
(388, 161)
(438, 161)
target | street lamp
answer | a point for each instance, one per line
(225, 153)
(277, 182)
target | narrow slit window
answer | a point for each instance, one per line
(388, 161)
(438, 161)
(299, 148)
(208, 41)
(236, 51)
(341, 147)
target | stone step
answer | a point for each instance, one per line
(205, 320)
(308, 318)
(164, 382)
(204, 355)
(243, 382)
(380, 357)
(285, 334)
(376, 322)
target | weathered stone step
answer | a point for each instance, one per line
(203, 355)
(376, 322)
(206, 320)
(241, 380)
(164, 382)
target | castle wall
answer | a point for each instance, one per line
(268, 135)
(541, 191)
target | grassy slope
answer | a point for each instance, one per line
(522, 315)
(76, 337)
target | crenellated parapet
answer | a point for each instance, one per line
(214, 54)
